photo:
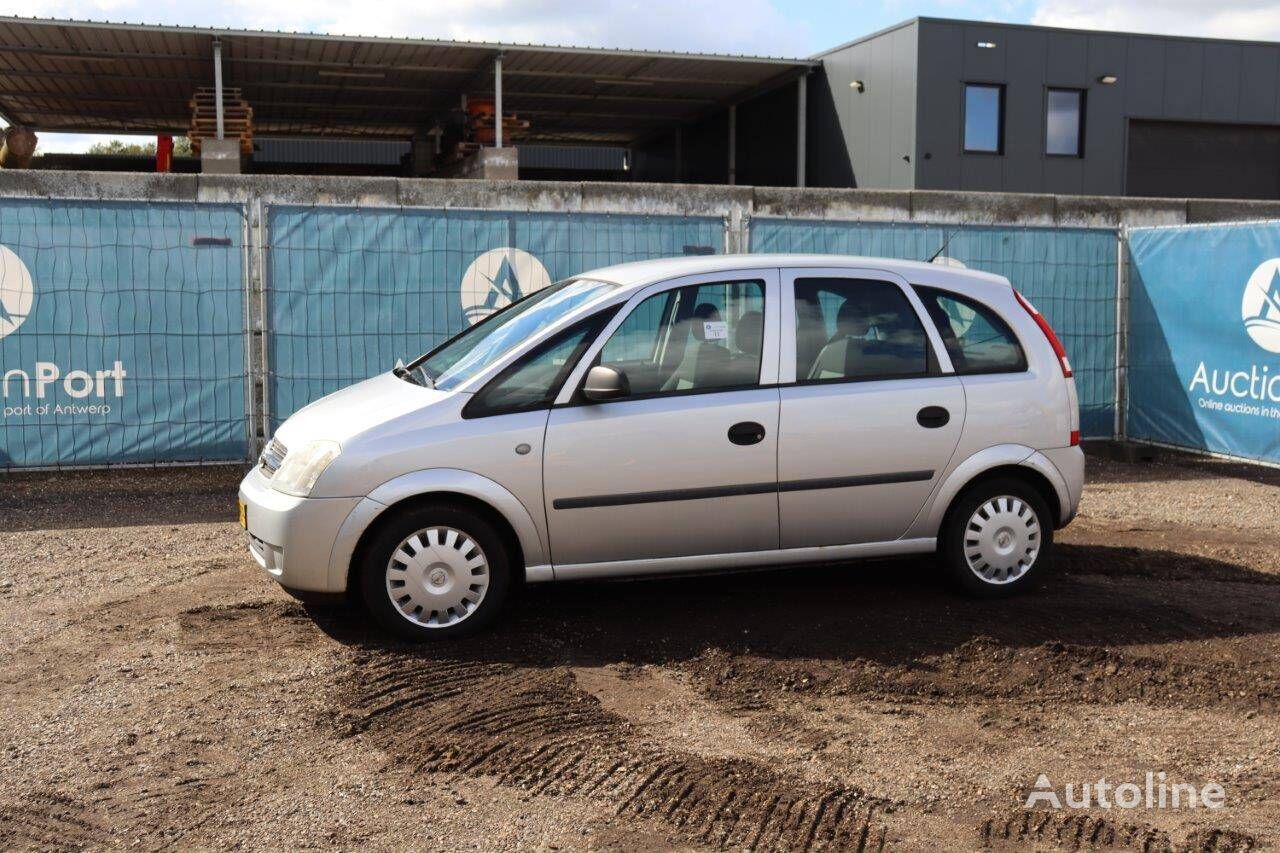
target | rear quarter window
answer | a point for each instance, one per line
(976, 337)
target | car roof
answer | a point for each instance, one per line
(640, 273)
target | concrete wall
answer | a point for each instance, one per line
(1160, 78)
(671, 199)
(878, 124)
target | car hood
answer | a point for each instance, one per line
(353, 410)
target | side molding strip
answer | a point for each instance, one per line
(704, 493)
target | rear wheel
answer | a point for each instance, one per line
(434, 572)
(997, 538)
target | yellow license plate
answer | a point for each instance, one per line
(244, 515)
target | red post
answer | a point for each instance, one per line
(164, 152)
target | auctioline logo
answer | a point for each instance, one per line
(16, 292)
(497, 278)
(1260, 308)
(1255, 390)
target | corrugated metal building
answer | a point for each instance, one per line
(961, 105)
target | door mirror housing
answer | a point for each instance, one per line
(605, 383)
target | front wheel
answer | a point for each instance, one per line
(435, 572)
(997, 538)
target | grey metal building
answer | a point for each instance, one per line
(960, 105)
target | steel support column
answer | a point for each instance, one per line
(217, 84)
(497, 101)
(802, 97)
(733, 144)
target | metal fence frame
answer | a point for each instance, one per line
(256, 264)
(76, 198)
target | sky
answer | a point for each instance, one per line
(766, 27)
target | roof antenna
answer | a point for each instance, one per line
(943, 247)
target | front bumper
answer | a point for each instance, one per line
(292, 538)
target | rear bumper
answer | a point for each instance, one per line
(292, 538)
(1070, 464)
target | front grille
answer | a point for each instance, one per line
(272, 457)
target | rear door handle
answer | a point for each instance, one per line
(932, 417)
(747, 432)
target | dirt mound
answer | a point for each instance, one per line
(983, 669)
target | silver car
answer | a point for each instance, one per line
(683, 415)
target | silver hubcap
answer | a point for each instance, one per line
(437, 577)
(1002, 540)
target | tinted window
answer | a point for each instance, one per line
(856, 329)
(983, 118)
(691, 338)
(534, 380)
(1064, 122)
(977, 340)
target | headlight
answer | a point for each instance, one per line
(303, 465)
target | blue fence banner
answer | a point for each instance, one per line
(121, 333)
(1068, 273)
(350, 291)
(1204, 345)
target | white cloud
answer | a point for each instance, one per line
(1239, 19)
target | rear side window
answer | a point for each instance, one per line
(857, 329)
(977, 340)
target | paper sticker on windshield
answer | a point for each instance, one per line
(715, 330)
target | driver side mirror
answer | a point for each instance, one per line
(605, 383)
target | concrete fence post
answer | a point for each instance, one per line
(249, 319)
(735, 231)
(1122, 331)
(259, 326)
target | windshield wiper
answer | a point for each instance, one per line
(409, 375)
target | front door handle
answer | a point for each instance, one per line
(747, 432)
(932, 417)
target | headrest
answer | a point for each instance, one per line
(750, 334)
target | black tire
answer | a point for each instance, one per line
(376, 561)
(952, 540)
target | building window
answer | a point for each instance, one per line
(1064, 123)
(983, 118)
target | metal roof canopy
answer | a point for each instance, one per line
(83, 76)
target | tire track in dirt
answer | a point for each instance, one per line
(50, 822)
(536, 729)
(1085, 832)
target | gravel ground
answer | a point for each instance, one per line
(160, 692)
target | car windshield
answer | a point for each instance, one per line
(466, 355)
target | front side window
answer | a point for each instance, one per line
(533, 381)
(857, 329)
(1064, 123)
(695, 338)
(976, 338)
(470, 353)
(983, 118)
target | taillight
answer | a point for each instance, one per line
(1075, 437)
(1058, 349)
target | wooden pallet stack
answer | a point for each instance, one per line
(484, 128)
(237, 118)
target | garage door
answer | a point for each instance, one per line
(1192, 160)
